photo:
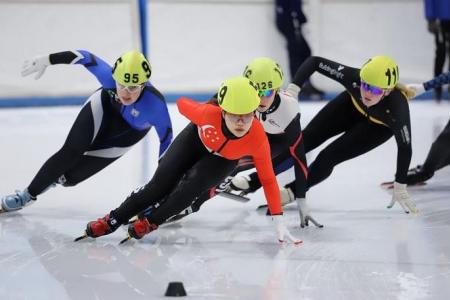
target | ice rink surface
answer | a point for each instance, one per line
(228, 250)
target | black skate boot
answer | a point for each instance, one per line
(418, 176)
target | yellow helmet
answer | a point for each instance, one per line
(380, 71)
(132, 68)
(238, 95)
(265, 73)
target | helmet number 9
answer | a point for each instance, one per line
(116, 63)
(128, 78)
(222, 94)
(389, 76)
(146, 68)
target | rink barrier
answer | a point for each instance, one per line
(170, 98)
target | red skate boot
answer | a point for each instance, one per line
(139, 228)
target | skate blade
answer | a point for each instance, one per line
(317, 224)
(174, 219)
(2, 211)
(239, 198)
(262, 206)
(125, 240)
(81, 237)
(389, 185)
(422, 183)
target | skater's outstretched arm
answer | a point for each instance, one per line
(413, 90)
(94, 64)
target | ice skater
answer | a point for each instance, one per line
(370, 111)
(439, 154)
(279, 114)
(113, 119)
(200, 157)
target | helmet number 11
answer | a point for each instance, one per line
(389, 76)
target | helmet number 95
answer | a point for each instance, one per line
(129, 78)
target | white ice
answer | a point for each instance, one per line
(228, 250)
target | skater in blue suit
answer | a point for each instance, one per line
(113, 119)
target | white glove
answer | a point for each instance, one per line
(282, 230)
(293, 89)
(411, 90)
(35, 65)
(305, 213)
(401, 196)
(418, 88)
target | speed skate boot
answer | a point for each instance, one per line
(16, 201)
(418, 175)
(243, 184)
(140, 227)
(286, 196)
(102, 226)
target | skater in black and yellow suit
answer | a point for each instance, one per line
(369, 112)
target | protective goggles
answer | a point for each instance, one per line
(370, 88)
(265, 93)
(247, 118)
(131, 88)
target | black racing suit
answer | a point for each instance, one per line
(104, 129)
(361, 128)
(437, 158)
(183, 173)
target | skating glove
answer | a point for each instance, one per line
(401, 196)
(410, 93)
(283, 233)
(416, 88)
(303, 211)
(293, 89)
(37, 65)
(305, 214)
